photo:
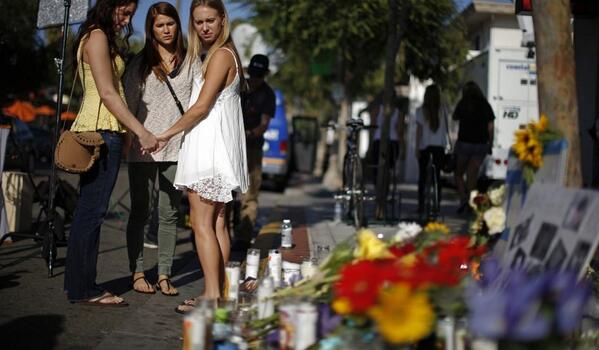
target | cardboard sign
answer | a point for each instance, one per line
(556, 230)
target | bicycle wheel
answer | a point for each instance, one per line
(347, 185)
(431, 198)
(357, 197)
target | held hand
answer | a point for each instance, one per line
(162, 142)
(148, 142)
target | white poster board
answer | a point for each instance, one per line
(556, 230)
(553, 171)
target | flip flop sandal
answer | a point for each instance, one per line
(98, 301)
(147, 283)
(190, 302)
(184, 309)
(169, 287)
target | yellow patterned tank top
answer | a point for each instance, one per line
(93, 114)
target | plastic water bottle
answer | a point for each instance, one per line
(338, 211)
(286, 238)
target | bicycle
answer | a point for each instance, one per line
(353, 192)
(431, 191)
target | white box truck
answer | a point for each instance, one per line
(508, 77)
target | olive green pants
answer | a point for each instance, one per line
(249, 201)
(142, 178)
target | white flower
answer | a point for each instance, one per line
(496, 195)
(495, 220)
(407, 230)
(473, 195)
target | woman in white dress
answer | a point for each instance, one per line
(212, 160)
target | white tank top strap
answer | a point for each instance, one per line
(234, 57)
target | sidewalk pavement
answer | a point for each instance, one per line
(36, 314)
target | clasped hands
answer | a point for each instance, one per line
(151, 143)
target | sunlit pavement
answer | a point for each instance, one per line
(36, 314)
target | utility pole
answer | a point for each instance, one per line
(178, 6)
(557, 77)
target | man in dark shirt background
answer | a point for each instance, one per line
(258, 108)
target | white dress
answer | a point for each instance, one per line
(212, 159)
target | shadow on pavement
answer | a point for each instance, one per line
(32, 332)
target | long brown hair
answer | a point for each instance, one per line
(101, 16)
(194, 46)
(152, 61)
(431, 106)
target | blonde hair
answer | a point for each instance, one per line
(194, 44)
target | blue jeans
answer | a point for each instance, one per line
(96, 186)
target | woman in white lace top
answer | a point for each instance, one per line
(212, 159)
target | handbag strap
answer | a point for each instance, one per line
(177, 102)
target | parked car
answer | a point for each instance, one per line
(275, 162)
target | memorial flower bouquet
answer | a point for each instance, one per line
(388, 289)
(489, 215)
(529, 144)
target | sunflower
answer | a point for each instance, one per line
(523, 138)
(436, 227)
(541, 125)
(401, 315)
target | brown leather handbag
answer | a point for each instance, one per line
(76, 152)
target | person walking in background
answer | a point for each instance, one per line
(100, 67)
(258, 105)
(430, 139)
(212, 160)
(475, 139)
(393, 142)
(148, 94)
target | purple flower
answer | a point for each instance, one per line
(273, 337)
(327, 320)
(521, 307)
(571, 305)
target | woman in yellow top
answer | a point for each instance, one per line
(100, 66)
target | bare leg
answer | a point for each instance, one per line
(472, 172)
(460, 169)
(222, 231)
(202, 211)
(223, 238)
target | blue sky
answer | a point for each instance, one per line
(236, 10)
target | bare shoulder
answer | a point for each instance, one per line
(224, 56)
(97, 39)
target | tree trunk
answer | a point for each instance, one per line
(332, 179)
(395, 34)
(556, 77)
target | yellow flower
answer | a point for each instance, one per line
(523, 138)
(541, 125)
(528, 148)
(370, 247)
(408, 260)
(436, 227)
(342, 306)
(403, 316)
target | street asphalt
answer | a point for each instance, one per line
(36, 314)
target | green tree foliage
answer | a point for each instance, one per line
(434, 44)
(351, 35)
(345, 35)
